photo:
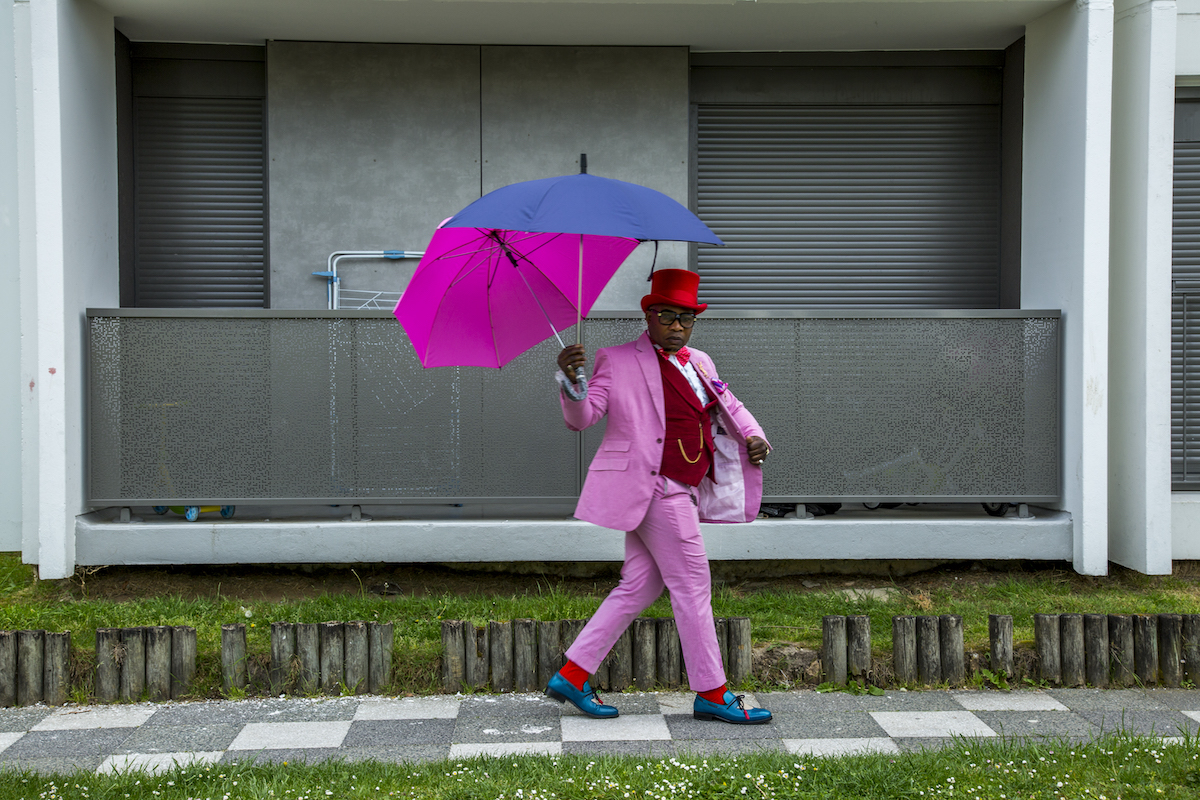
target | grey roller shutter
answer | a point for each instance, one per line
(199, 202)
(870, 205)
(1185, 305)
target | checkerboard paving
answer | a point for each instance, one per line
(151, 738)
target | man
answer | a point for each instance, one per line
(678, 448)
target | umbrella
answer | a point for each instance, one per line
(596, 217)
(482, 296)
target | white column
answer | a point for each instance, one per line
(1064, 242)
(10, 292)
(1139, 425)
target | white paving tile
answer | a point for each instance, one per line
(288, 735)
(409, 708)
(931, 723)
(1007, 701)
(473, 749)
(7, 740)
(1193, 714)
(78, 719)
(625, 728)
(681, 702)
(839, 747)
(156, 762)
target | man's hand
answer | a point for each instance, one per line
(756, 448)
(570, 359)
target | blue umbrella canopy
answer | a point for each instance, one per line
(585, 204)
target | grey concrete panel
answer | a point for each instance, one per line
(1038, 724)
(180, 738)
(626, 107)
(320, 710)
(399, 732)
(311, 755)
(371, 146)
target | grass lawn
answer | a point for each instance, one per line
(1105, 770)
(786, 610)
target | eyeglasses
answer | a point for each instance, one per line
(667, 318)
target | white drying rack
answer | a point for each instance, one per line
(360, 298)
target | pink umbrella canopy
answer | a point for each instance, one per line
(481, 297)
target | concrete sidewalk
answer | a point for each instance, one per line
(152, 736)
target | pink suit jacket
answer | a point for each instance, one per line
(627, 388)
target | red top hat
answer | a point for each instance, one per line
(674, 287)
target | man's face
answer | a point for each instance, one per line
(669, 337)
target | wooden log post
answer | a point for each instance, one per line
(381, 639)
(1170, 650)
(1000, 644)
(56, 678)
(1145, 648)
(1120, 647)
(951, 649)
(1095, 649)
(524, 655)
(741, 650)
(454, 655)
(158, 663)
(1190, 648)
(108, 668)
(8, 669)
(1046, 640)
(668, 654)
(929, 651)
(234, 673)
(332, 640)
(833, 648)
(904, 648)
(722, 626)
(501, 641)
(620, 668)
(858, 646)
(283, 652)
(1070, 649)
(31, 666)
(356, 652)
(183, 660)
(645, 657)
(478, 657)
(308, 656)
(549, 652)
(133, 663)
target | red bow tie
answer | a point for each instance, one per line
(683, 354)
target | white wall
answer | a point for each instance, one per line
(75, 187)
(1139, 426)
(1064, 241)
(10, 286)
(1187, 49)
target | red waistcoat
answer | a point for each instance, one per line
(688, 445)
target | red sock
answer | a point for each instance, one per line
(575, 674)
(716, 695)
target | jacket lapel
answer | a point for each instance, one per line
(648, 361)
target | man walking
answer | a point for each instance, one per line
(679, 448)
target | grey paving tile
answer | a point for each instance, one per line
(504, 749)
(179, 738)
(626, 702)
(727, 747)
(22, 719)
(1039, 724)
(213, 712)
(407, 754)
(399, 732)
(844, 701)
(57, 766)
(914, 745)
(1182, 699)
(789, 724)
(650, 749)
(100, 742)
(508, 720)
(311, 755)
(1142, 722)
(683, 728)
(1106, 699)
(306, 710)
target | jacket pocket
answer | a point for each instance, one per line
(601, 463)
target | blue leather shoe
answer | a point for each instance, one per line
(585, 700)
(733, 711)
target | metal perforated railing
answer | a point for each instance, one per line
(326, 407)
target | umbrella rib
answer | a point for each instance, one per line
(513, 260)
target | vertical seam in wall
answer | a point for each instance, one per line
(480, 120)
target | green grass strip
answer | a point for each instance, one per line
(1125, 768)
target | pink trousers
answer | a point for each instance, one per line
(666, 549)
